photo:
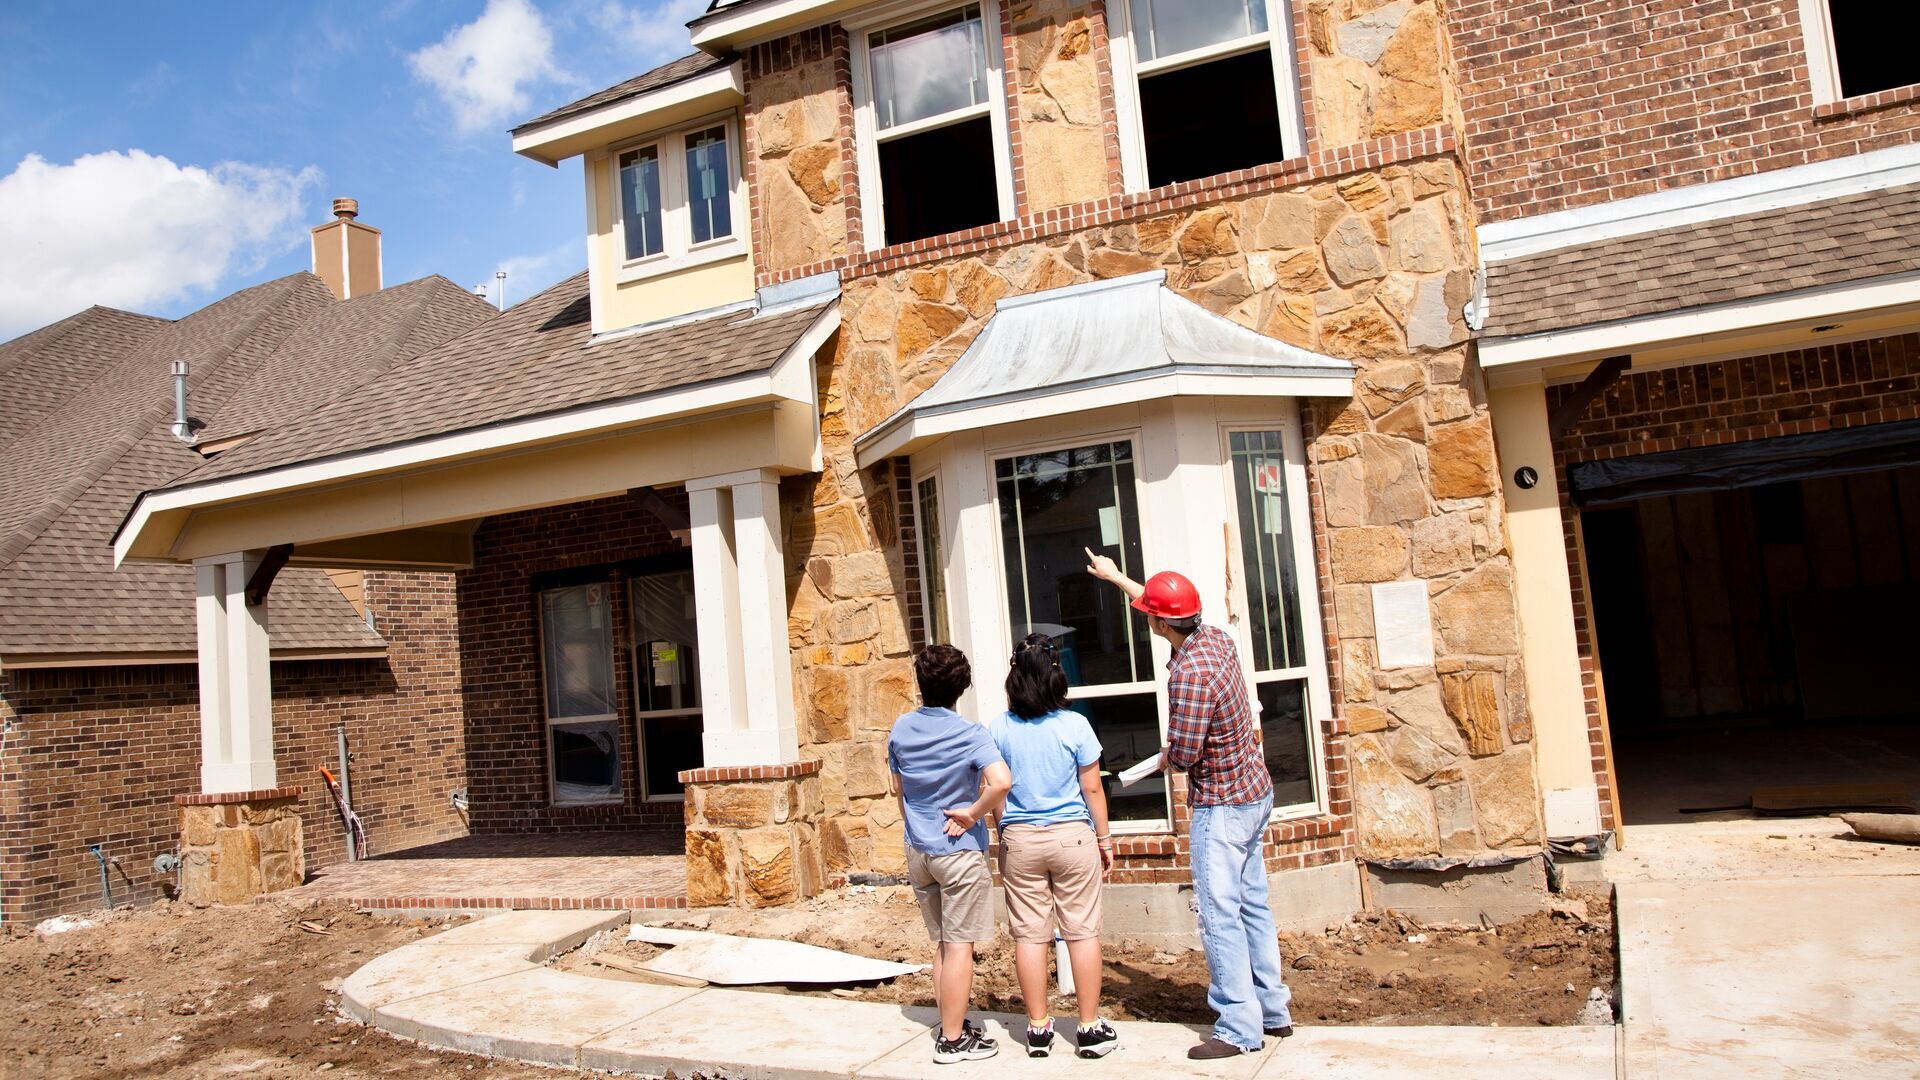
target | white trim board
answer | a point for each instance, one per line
(1795, 185)
(709, 91)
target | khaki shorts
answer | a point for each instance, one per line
(1051, 873)
(955, 893)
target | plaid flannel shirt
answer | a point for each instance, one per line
(1210, 724)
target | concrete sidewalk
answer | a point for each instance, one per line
(483, 988)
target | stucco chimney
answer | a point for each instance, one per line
(346, 254)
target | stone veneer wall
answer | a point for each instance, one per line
(799, 149)
(1060, 86)
(239, 846)
(1377, 69)
(753, 836)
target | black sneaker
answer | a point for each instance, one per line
(1040, 1040)
(1097, 1041)
(1284, 1031)
(970, 1046)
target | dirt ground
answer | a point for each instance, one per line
(1378, 969)
(168, 990)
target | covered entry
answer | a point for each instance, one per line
(1752, 605)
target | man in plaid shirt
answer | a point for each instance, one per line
(1212, 737)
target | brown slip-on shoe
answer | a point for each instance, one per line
(1215, 1048)
(1281, 1032)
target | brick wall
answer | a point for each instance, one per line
(1574, 103)
(1754, 397)
(507, 745)
(95, 755)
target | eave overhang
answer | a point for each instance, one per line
(631, 117)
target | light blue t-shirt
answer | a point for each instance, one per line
(939, 755)
(1045, 755)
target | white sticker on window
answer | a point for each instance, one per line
(1402, 625)
(1110, 526)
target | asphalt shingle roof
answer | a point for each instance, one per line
(1851, 238)
(666, 74)
(94, 442)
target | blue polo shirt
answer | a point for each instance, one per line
(939, 756)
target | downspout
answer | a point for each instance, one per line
(182, 428)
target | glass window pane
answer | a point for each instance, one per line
(1286, 737)
(932, 561)
(586, 762)
(1128, 727)
(928, 67)
(672, 745)
(1266, 549)
(640, 201)
(577, 634)
(1052, 506)
(665, 638)
(1164, 28)
(709, 190)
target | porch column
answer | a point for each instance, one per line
(746, 675)
(236, 693)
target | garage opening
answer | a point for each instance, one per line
(1755, 615)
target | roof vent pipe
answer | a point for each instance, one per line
(182, 428)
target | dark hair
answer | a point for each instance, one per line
(943, 674)
(1183, 626)
(1036, 686)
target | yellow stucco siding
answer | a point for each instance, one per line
(619, 304)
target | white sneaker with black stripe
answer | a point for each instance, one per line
(1040, 1039)
(970, 1046)
(1096, 1040)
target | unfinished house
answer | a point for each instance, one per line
(890, 309)
(1698, 224)
(104, 673)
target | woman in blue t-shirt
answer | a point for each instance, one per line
(1054, 846)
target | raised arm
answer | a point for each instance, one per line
(1104, 568)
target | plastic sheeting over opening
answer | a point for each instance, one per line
(1730, 466)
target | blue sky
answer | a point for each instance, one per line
(158, 156)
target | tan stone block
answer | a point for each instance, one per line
(922, 323)
(1362, 192)
(1420, 707)
(1396, 490)
(1505, 797)
(278, 871)
(1356, 669)
(1436, 177)
(1293, 321)
(236, 869)
(1349, 419)
(866, 775)
(1442, 544)
(1453, 813)
(929, 284)
(871, 393)
(833, 779)
(1155, 235)
(884, 811)
(739, 805)
(1278, 221)
(862, 574)
(1408, 422)
(845, 843)
(1462, 459)
(853, 655)
(766, 867)
(893, 640)
(1476, 615)
(1473, 700)
(1321, 18)
(1111, 263)
(1362, 719)
(1351, 254)
(1395, 295)
(707, 869)
(1360, 332)
(1519, 710)
(849, 621)
(1411, 95)
(977, 288)
(197, 826)
(796, 235)
(1393, 815)
(1209, 234)
(1369, 553)
(890, 849)
(1448, 403)
(1049, 271)
(1342, 99)
(815, 170)
(1353, 610)
(1419, 241)
(281, 834)
(875, 318)
(1343, 489)
(828, 713)
(882, 692)
(1416, 756)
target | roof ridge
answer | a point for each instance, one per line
(136, 428)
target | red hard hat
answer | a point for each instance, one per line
(1169, 596)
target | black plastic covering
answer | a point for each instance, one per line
(1865, 448)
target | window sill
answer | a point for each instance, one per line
(1866, 103)
(659, 267)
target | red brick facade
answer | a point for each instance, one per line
(1756, 397)
(1571, 104)
(503, 700)
(96, 755)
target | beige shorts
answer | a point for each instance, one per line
(1051, 873)
(955, 893)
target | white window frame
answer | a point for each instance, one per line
(1135, 436)
(618, 798)
(929, 573)
(1312, 671)
(676, 214)
(1823, 59)
(640, 715)
(867, 135)
(1128, 70)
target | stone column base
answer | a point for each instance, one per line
(753, 835)
(240, 845)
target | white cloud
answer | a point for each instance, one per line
(651, 30)
(483, 70)
(529, 274)
(134, 230)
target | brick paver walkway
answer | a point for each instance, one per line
(608, 870)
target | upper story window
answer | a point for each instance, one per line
(1850, 52)
(1202, 87)
(679, 197)
(931, 124)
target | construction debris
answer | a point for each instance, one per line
(727, 960)
(1893, 828)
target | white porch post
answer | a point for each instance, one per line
(740, 595)
(236, 691)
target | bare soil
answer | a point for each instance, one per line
(170, 990)
(1378, 969)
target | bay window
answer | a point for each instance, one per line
(679, 198)
(1203, 87)
(931, 125)
(583, 723)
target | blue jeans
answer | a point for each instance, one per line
(1246, 985)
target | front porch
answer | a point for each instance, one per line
(615, 871)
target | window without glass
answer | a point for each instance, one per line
(576, 626)
(678, 196)
(932, 559)
(1867, 58)
(1216, 52)
(1053, 505)
(1273, 617)
(932, 93)
(667, 677)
